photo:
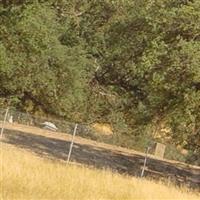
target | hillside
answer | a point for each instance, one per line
(103, 156)
(133, 64)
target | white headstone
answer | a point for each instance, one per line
(160, 150)
(10, 120)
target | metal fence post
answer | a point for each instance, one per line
(145, 161)
(72, 142)
(4, 121)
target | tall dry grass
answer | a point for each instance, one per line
(25, 176)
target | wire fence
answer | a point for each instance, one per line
(92, 153)
(94, 132)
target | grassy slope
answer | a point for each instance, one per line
(26, 176)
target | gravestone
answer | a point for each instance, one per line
(160, 150)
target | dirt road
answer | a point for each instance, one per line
(55, 145)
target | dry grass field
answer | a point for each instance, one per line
(25, 176)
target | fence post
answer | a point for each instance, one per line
(72, 142)
(145, 161)
(4, 121)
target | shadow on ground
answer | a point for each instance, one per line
(103, 158)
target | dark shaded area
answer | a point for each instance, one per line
(104, 158)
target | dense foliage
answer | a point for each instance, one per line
(133, 63)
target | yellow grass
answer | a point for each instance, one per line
(25, 176)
